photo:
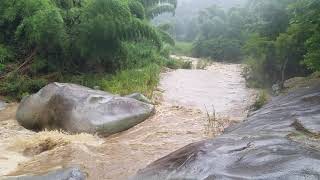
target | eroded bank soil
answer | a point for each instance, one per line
(180, 119)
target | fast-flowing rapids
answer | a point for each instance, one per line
(185, 114)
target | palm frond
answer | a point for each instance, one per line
(157, 10)
(165, 37)
(151, 3)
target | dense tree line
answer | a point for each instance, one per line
(220, 35)
(277, 39)
(184, 23)
(50, 38)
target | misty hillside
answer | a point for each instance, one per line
(187, 11)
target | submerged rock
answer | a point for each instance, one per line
(276, 89)
(2, 105)
(60, 174)
(280, 141)
(78, 109)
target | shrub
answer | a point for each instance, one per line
(186, 65)
(178, 64)
(261, 100)
(15, 87)
(182, 48)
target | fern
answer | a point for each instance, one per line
(137, 9)
(82, 34)
(165, 27)
(111, 19)
(154, 8)
(165, 37)
(152, 3)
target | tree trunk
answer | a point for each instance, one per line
(283, 72)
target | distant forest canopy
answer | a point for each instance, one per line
(277, 39)
(186, 14)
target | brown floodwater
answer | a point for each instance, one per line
(220, 88)
(180, 119)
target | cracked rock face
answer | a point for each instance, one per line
(280, 141)
(78, 109)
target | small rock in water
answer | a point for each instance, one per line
(60, 174)
(97, 88)
(2, 105)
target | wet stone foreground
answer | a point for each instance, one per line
(280, 141)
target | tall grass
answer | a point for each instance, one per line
(183, 49)
(143, 80)
(215, 124)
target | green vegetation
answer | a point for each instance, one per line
(277, 40)
(178, 64)
(142, 80)
(42, 41)
(182, 49)
(261, 100)
(219, 35)
(17, 86)
(278, 46)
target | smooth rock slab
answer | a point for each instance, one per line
(280, 141)
(78, 109)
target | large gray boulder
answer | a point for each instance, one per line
(78, 109)
(280, 141)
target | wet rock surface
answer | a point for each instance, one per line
(78, 109)
(280, 141)
(60, 174)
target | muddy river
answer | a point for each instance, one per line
(186, 102)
